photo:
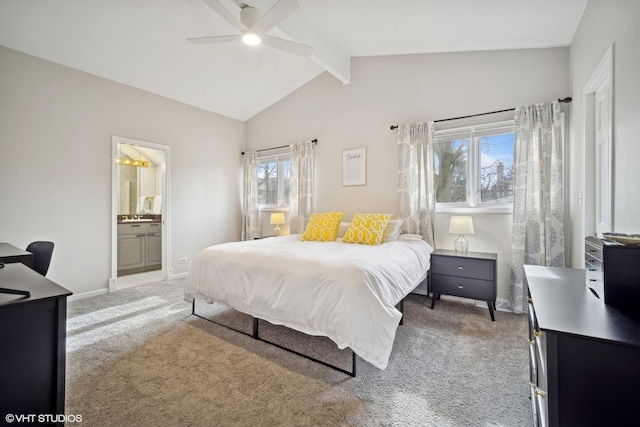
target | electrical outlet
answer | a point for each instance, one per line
(182, 260)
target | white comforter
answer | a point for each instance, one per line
(346, 292)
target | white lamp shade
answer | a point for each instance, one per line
(461, 225)
(277, 218)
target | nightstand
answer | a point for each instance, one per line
(471, 275)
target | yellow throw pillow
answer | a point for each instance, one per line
(367, 229)
(323, 226)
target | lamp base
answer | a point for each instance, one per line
(276, 230)
(461, 244)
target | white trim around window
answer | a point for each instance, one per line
(473, 185)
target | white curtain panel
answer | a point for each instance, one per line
(300, 186)
(250, 212)
(416, 180)
(538, 207)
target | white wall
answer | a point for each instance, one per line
(405, 89)
(56, 125)
(604, 23)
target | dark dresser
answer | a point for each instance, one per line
(584, 355)
(33, 343)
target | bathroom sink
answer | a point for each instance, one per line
(138, 220)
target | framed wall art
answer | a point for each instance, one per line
(354, 167)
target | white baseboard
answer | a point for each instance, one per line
(88, 294)
(179, 276)
(501, 305)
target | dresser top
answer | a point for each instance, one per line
(564, 303)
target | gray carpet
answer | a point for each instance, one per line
(139, 358)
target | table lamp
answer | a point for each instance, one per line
(277, 218)
(461, 225)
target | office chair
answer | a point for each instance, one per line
(42, 252)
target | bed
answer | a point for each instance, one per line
(347, 292)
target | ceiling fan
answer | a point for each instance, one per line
(253, 27)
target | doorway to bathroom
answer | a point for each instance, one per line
(140, 215)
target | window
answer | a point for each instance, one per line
(474, 167)
(274, 175)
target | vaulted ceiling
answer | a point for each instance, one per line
(143, 43)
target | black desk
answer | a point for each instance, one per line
(32, 343)
(11, 254)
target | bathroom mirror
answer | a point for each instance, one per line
(140, 171)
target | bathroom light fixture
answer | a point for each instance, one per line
(251, 39)
(461, 225)
(124, 161)
(277, 218)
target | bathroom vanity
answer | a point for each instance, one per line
(139, 246)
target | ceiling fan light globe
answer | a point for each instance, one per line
(251, 39)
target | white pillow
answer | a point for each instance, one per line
(343, 228)
(392, 231)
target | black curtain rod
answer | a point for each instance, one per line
(314, 141)
(567, 100)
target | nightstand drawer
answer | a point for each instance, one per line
(464, 267)
(463, 287)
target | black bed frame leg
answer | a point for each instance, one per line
(353, 364)
(193, 306)
(402, 311)
(255, 328)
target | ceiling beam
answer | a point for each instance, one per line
(326, 55)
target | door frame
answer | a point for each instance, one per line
(603, 74)
(166, 270)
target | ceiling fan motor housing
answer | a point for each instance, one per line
(249, 16)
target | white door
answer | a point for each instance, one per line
(603, 160)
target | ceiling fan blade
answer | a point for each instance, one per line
(273, 16)
(288, 46)
(214, 39)
(225, 14)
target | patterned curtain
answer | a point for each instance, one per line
(538, 207)
(416, 180)
(250, 213)
(301, 186)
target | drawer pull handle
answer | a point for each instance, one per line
(592, 280)
(592, 250)
(460, 287)
(591, 260)
(140, 235)
(538, 334)
(135, 225)
(592, 269)
(539, 393)
(460, 267)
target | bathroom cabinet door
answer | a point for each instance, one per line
(131, 251)
(154, 249)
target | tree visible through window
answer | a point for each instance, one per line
(496, 168)
(274, 176)
(474, 166)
